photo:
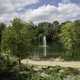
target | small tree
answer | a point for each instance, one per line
(70, 36)
(17, 39)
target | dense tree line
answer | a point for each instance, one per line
(70, 37)
(19, 38)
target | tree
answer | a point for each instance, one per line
(2, 27)
(70, 36)
(56, 24)
(17, 39)
(49, 29)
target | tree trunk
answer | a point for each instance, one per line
(19, 62)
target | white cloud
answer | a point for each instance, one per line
(18, 4)
(68, 11)
(43, 12)
(11, 5)
(49, 13)
(8, 8)
(5, 6)
(23, 2)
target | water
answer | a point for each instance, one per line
(44, 45)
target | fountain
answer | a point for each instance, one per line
(44, 45)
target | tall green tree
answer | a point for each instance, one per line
(50, 30)
(70, 36)
(17, 38)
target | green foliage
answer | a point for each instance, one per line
(7, 64)
(70, 36)
(20, 38)
(50, 30)
(23, 39)
(9, 70)
(55, 73)
(2, 27)
(7, 61)
(17, 38)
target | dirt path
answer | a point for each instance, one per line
(52, 63)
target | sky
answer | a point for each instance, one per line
(39, 10)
